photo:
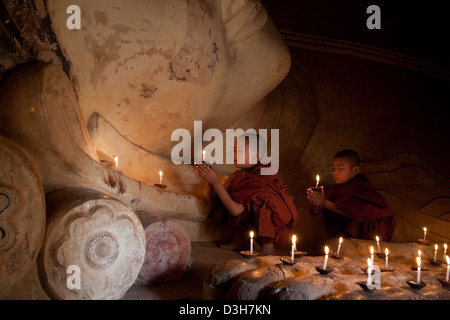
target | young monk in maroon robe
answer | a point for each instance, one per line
(250, 200)
(352, 207)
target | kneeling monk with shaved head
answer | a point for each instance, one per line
(251, 201)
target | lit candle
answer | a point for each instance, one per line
(424, 233)
(160, 177)
(293, 248)
(419, 253)
(317, 180)
(339, 246)
(116, 160)
(387, 258)
(326, 258)
(251, 242)
(378, 243)
(445, 251)
(369, 271)
(435, 251)
(448, 268)
(371, 253)
(418, 270)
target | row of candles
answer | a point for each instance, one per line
(116, 161)
(371, 260)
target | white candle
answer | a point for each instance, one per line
(371, 253)
(378, 243)
(424, 233)
(369, 271)
(435, 251)
(326, 258)
(445, 251)
(418, 270)
(387, 258)
(339, 246)
(293, 248)
(116, 160)
(251, 242)
(448, 268)
(317, 180)
(160, 177)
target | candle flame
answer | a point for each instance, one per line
(340, 240)
(424, 229)
(327, 250)
(116, 160)
(204, 155)
(419, 253)
(294, 238)
(435, 247)
(378, 239)
(160, 174)
(418, 261)
(317, 180)
(448, 259)
(445, 246)
(251, 234)
(371, 249)
(387, 252)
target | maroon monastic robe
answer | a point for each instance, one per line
(369, 213)
(266, 201)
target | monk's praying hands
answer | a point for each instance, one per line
(316, 198)
(207, 173)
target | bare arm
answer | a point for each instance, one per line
(210, 176)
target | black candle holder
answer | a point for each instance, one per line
(247, 254)
(363, 284)
(288, 261)
(161, 186)
(336, 256)
(387, 270)
(299, 254)
(324, 271)
(435, 263)
(423, 241)
(445, 284)
(415, 285)
(381, 255)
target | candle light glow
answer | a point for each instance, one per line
(378, 243)
(160, 177)
(445, 251)
(326, 257)
(293, 247)
(424, 233)
(369, 271)
(418, 270)
(339, 246)
(317, 180)
(435, 251)
(116, 160)
(387, 258)
(448, 268)
(251, 242)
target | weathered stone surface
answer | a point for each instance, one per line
(22, 215)
(100, 235)
(168, 249)
(39, 110)
(269, 278)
